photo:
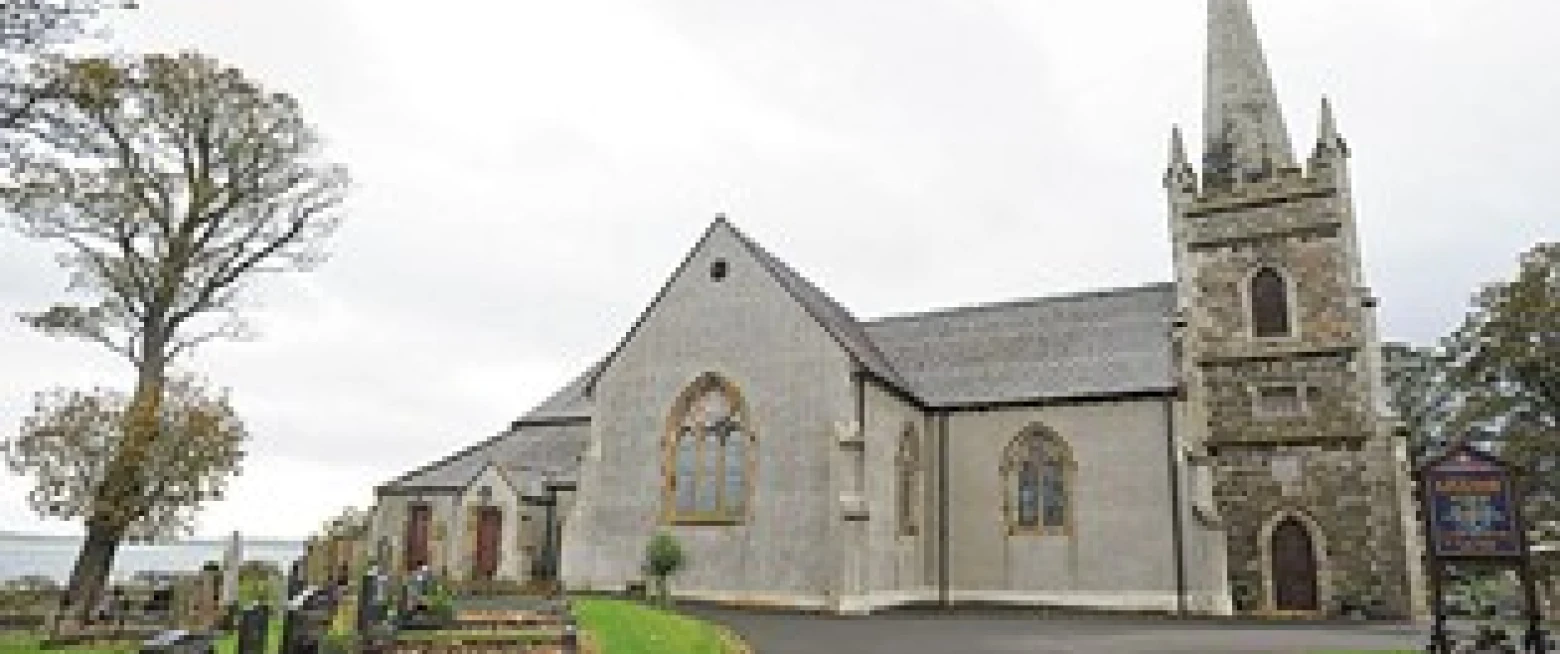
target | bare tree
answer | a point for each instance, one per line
(168, 183)
(68, 442)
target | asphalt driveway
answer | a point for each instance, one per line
(976, 632)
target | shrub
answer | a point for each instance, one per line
(663, 558)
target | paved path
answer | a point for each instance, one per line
(1016, 631)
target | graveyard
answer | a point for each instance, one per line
(216, 610)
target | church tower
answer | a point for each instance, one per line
(1280, 359)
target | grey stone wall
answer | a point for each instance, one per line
(1334, 467)
(1335, 400)
(1349, 496)
(390, 521)
(796, 381)
(896, 561)
(1120, 552)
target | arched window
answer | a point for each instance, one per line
(1269, 295)
(709, 452)
(907, 479)
(1037, 471)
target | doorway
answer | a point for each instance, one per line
(1294, 568)
(489, 539)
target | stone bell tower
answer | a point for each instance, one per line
(1280, 358)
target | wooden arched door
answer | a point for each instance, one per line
(489, 539)
(1294, 568)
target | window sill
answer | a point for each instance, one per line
(1039, 531)
(707, 521)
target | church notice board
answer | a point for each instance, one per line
(1472, 507)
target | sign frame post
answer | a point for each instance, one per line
(1472, 511)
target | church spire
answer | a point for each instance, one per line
(1245, 137)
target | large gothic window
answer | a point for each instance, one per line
(1269, 295)
(1037, 471)
(907, 479)
(709, 448)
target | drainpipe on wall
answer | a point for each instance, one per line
(942, 511)
(1175, 508)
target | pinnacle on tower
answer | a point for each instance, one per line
(1245, 138)
(1177, 149)
(1179, 174)
(1328, 140)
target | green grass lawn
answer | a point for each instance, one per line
(621, 627)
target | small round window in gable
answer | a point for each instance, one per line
(718, 270)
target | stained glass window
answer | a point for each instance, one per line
(736, 471)
(1038, 469)
(1028, 494)
(709, 471)
(1053, 491)
(687, 471)
(710, 476)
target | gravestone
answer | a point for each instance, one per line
(306, 622)
(253, 624)
(371, 600)
(295, 582)
(232, 560)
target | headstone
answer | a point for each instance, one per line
(294, 578)
(370, 595)
(253, 623)
(382, 554)
(232, 560)
(179, 641)
(306, 622)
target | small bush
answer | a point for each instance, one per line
(663, 558)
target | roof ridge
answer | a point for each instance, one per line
(782, 271)
(1020, 302)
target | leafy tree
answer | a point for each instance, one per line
(169, 183)
(1505, 361)
(663, 558)
(1420, 396)
(70, 440)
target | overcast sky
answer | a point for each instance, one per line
(529, 172)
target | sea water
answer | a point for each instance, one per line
(53, 557)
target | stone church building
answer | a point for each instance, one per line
(1211, 444)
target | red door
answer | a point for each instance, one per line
(489, 531)
(1294, 568)
(417, 518)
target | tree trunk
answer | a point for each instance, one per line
(117, 497)
(91, 571)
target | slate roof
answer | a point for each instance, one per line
(1071, 346)
(549, 439)
(526, 451)
(1099, 343)
(569, 403)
